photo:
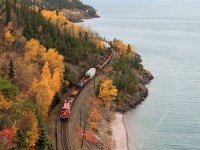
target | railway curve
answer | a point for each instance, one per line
(65, 144)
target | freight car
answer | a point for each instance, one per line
(65, 110)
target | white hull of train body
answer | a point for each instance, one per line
(91, 72)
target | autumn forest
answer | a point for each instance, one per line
(42, 55)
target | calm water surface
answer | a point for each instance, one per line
(167, 35)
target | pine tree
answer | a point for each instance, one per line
(128, 49)
(42, 142)
(56, 100)
(8, 11)
(14, 4)
(11, 72)
(67, 74)
(21, 139)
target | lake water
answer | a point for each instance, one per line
(167, 35)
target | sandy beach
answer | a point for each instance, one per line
(119, 134)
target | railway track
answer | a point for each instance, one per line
(64, 136)
(64, 125)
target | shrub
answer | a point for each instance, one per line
(109, 131)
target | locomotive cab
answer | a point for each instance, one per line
(65, 111)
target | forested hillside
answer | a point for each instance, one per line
(42, 54)
(61, 4)
(76, 9)
(38, 55)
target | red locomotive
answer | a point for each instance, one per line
(65, 110)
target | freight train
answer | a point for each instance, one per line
(65, 110)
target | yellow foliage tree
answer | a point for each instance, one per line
(56, 82)
(44, 97)
(9, 38)
(46, 74)
(55, 61)
(34, 86)
(107, 93)
(34, 52)
(61, 21)
(32, 132)
(36, 55)
(44, 94)
(124, 49)
(94, 118)
(43, 87)
(99, 43)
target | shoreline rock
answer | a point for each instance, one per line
(85, 18)
(144, 78)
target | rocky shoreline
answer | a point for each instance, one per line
(84, 17)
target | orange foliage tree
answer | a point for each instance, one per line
(7, 138)
(89, 136)
(94, 118)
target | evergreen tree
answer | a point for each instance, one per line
(8, 89)
(56, 100)
(11, 72)
(8, 11)
(14, 4)
(67, 74)
(74, 49)
(42, 142)
(128, 49)
(21, 139)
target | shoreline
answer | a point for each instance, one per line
(119, 137)
(126, 132)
